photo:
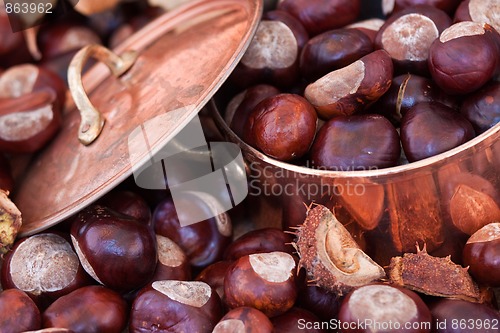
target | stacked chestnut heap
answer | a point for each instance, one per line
(419, 79)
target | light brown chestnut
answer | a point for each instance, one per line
(244, 319)
(352, 88)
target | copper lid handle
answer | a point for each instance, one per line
(92, 120)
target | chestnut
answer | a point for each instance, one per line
(430, 128)
(323, 303)
(128, 203)
(241, 105)
(319, 16)
(11, 222)
(244, 319)
(458, 316)
(482, 107)
(369, 27)
(408, 34)
(45, 266)
(265, 281)
(357, 142)
(90, 309)
(214, 276)
(173, 264)
(392, 6)
(406, 91)
(10, 40)
(384, 308)
(273, 54)
(481, 11)
(175, 306)
(18, 312)
(259, 241)
(296, 320)
(482, 254)
(352, 88)
(51, 330)
(116, 250)
(89, 7)
(282, 126)
(6, 180)
(333, 50)
(464, 57)
(29, 122)
(203, 242)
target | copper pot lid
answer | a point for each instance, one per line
(183, 57)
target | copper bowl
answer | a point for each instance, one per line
(389, 211)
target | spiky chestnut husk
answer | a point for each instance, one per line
(331, 257)
(433, 276)
(10, 222)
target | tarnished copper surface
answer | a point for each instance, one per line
(184, 56)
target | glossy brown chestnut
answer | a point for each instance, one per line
(175, 306)
(431, 128)
(273, 54)
(116, 250)
(394, 309)
(265, 281)
(29, 122)
(45, 266)
(259, 241)
(203, 242)
(319, 16)
(214, 275)
(481, 11)
(323, 303)
(466, 317)
(333, 50)
(244, 319)
(369, 27)
(91, 309)
(282, 126)
(18, 312)
(240, 107)
(464, 57)
(482, 255)
(6, 180)
(482, 108)
(406, 91)
(296, 320)
(352, 88)
(392, 6)
(128, 203)
(357, 142)
(173, 264)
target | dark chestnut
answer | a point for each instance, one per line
(464, 57)
(265, 281)
(6, 180)
(259, 241)
(10, 40)
(240, 107)
(357, 142)
(128, 203)
(457, 316)
(352, 88)
(282, 126)
(45, 266)
(296, 320)
(482, 108)
(18, 312)
(214, 276)
(116, 250)
(323, 303)
(482, 255)
(481, 11)
(392, 309)
(392, 6)
(408, 34)
(333, 50)
(430, 128)
(173, 263)
(319, 16)
(203, 242)
(175, 306)
(91, 309)
(369, 27)
(244, 319)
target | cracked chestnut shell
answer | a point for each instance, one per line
(282, 126)
(116, 250)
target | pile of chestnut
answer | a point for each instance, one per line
(316, 87)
